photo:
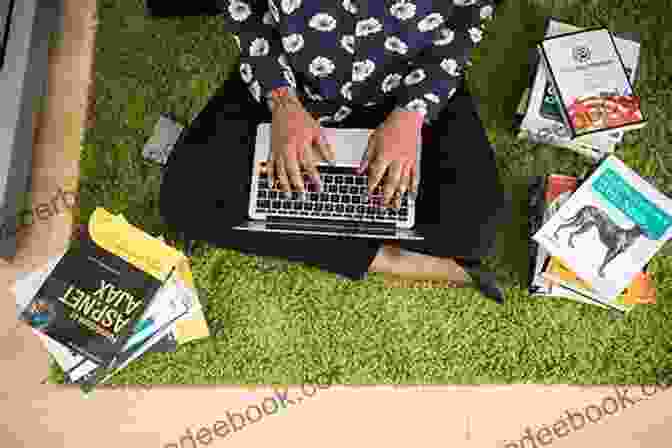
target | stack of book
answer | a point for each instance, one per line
(592, 239)
(114, 295)
(580, 95)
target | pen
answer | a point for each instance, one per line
(145, 329)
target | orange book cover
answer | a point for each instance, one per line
(641, 291)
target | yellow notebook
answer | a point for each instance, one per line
(113, 233)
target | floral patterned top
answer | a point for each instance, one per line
(358, 52)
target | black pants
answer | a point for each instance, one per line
(205, 190)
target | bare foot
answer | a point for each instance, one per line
(416, 266)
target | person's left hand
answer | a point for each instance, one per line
(392, 150)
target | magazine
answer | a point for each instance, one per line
(590, 81)
(609, 229)
(539, 118)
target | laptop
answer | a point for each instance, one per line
(342, 207)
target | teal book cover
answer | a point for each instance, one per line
(610, 228)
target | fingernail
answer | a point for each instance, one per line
(362, 166)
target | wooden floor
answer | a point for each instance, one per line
(58, 131)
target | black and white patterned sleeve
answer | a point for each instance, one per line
(263, 65)
(436, 71)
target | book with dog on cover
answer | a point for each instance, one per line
(549, 276)
(609, 229)
(591, 82)
(93, 298)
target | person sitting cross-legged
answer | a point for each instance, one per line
(393, 66)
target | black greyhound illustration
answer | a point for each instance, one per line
(616, 239)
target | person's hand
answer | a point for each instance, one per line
(392, 150)
(297, 144)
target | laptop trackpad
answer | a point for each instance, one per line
(349, 144)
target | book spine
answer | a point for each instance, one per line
(593, 298)
(554, 186)
(536, 207)
(620, 61)
(556, 90)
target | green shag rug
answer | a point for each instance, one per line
(273, 322)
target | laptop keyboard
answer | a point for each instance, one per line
(344, 196)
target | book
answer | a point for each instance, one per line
(157, 322)
(193, 325)
(591, 83)
(92, 299)
(563, 282)
(173, 300)
(158, 257)
(536, 206)
(157, 330)
(608, 230)
(550, 277)
(27, 286)
(538, 117)
(551, 192)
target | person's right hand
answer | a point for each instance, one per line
(297, 145)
